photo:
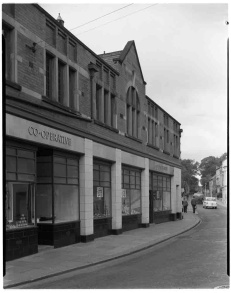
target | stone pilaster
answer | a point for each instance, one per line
(145, 195)
(116, 195)
(86, 193)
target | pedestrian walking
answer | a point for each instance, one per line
(194, 204)
(185, 205)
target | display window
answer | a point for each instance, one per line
(20, 188)
(160, 186)
(131, 193)
(101, 190)
(57, 196)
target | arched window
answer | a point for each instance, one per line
(133, 112)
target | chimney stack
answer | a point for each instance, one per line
(59, 19)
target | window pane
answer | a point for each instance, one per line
(11, 176)
(160, 183)
(26, 154)
(72, 171)
(44, 180)
(105, 168)
(60, 180)
(157, 202)
(95, 167)
(102, 202)
(11, 164)
(66, 199)
(60, 160)
(10, 151)
(72, 162)
(105, 183)
(126, 203)
(96, 183)
(166, 200)
(135, 202)
(73, 181)
(26, 166)
(105, 176)
(126, 179)
(60, 170)
(26, 177)
(132, 180)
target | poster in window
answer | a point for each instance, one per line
(100, 192)
(124, 193)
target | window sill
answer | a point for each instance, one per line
(165, 152)
(14, 85)
(105, 126)
(134, 138)
(174, 156)
(153, 146)
(64, 108)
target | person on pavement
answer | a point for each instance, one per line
(194, 204)
(185, 205)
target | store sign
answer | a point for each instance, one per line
(52, 136)
(124, 193)
(99, 191)
(31, 131)
(162, 168)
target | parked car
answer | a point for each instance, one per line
(210, 202)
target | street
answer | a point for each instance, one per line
(195, 259)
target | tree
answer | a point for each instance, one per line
(208, 167)
(188, 175)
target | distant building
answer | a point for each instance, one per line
(212, 186)
(218, 179)
(224, 181)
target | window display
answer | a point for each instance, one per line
(160, 185)
(131, 195)
(20, 176)
(101, 190)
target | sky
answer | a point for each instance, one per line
(182, 49)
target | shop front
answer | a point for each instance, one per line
(21, 232)
(102, 198)
(57, 198)
(131, 198)
(159, 198)
(42, 187)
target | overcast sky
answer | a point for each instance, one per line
(182, 50)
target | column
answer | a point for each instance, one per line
(86, 193)
(116, 195)
(145, 195)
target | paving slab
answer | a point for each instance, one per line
(52, 262)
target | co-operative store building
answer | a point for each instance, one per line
(88, 154)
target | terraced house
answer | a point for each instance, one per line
(88, 153)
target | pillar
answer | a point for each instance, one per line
(116, 195)
(145, 195)
(86, 193)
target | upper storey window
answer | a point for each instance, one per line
(133, 112)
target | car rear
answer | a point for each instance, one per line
(210, 202)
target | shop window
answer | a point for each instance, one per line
(58, 186)
(161, 188)
(131, 185)
(20, 176)
(19, 205)
(102, 190)
(50, 76)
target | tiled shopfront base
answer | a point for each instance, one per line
(131, 222)
(161, 217)
(102, 227)
(21, 242)
(60, 234)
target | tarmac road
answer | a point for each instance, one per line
(195, 259)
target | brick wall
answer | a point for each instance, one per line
(29, 74)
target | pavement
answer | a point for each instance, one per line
(52, 262)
